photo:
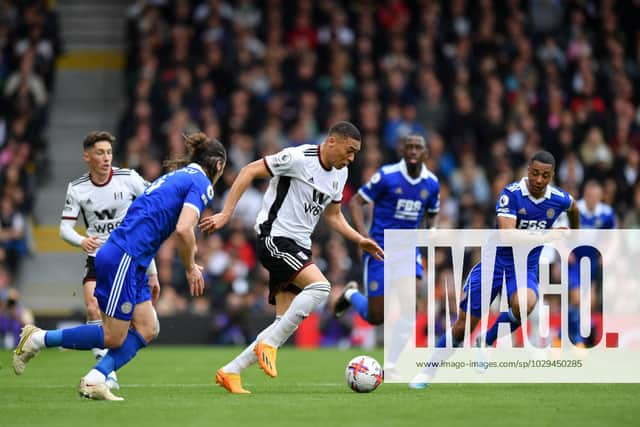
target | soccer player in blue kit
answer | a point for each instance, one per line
(533, 204)
(593, 215)
(173, 203)
(401, 193)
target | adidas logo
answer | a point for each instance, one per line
(522, 211)
(311, 180)
(89, 202)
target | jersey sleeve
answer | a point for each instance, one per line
(71, 205)
(372, 190)
(286, 162)
(568, 201)
(200, 194)
(507, 205)
(433, 205)
(138, 184)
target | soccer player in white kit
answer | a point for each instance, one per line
(307, 182)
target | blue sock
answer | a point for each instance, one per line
(574, 324)
(505, 317)
(117, 358)
(83, 337)
(442, 341)
(361, 304)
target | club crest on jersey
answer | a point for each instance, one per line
(398, 190)
(424, 194)
(374, 286)
(334, 185)
(282, 159)
(550, 213)
(126, 307)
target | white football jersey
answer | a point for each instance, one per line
(102, 206)
(298, 193)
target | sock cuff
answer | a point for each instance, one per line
(139, 337)
(318, 286)
(94, 322)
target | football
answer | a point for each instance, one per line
(364, 374)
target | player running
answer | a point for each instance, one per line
(172, 203)
(102, 196)
(531, 203)
(401, 193)
(307, 182)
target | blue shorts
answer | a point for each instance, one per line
(120, 282)
(374, 274)
(574, 267)
(472, 287)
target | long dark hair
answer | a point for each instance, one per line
(207, 152)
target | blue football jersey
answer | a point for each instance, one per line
(153, 216)
(400, 200)
(602, 217)
(530, 213)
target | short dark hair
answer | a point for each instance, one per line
(544, 157)
(97, 136)
(410, 136)
(345, 129)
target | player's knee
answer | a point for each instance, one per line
(113, 339)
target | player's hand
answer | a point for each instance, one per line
(215, 222)
(372, 247)
(195, 280)
(154, 286)
(90, 244)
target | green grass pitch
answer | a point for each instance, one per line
(173, 386)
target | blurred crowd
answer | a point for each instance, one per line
(487, 82)
(29, 45)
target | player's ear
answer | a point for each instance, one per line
(85, 155)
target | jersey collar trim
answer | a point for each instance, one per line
(405, 173)
(525, 191)
(196, 166)
(104, 183)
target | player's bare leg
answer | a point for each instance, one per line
(315, 291)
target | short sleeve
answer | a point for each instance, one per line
(568, 201)
(200, 194)
(506, 205)
(71, 205)
(284, 162)
(138, 184)
(372, 190)
(433, 205)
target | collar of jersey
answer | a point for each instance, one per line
(525, 191)
(405, 173)
(196, 166)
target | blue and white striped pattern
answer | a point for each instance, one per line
(116, 287)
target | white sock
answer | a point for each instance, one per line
(94, 377)
(98, 353)
(248, 357)
(37, 338)
(400, 334)
(349, 294)
(311, 297)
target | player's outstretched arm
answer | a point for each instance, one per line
(356, 209)
(253, 170)
(187, 220)
(334, 219)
